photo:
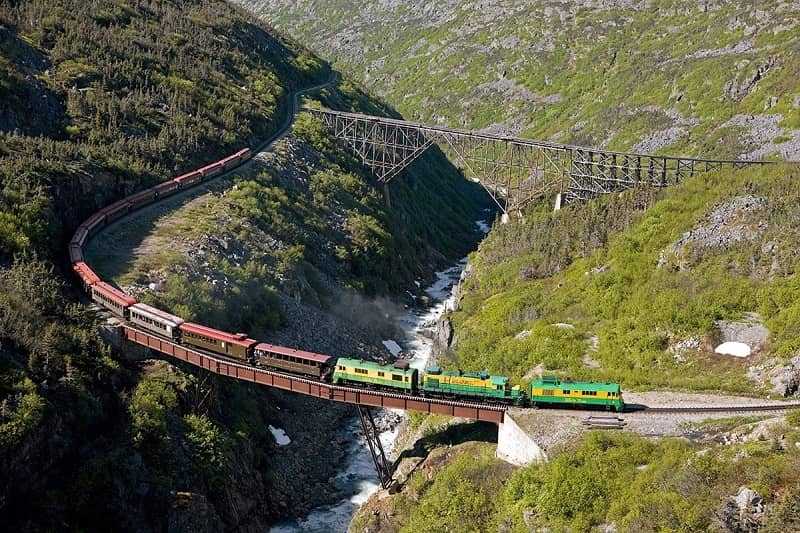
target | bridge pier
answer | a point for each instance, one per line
(386, 195)
(515, 446)
(382, 464)
(558, 202)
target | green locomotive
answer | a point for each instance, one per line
(551, 390)
(452, 383)
(397, 376)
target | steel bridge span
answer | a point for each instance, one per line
(363, 399)
(513, 170)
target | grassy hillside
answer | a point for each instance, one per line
(306, 223)
(98, 100)
(605, 481)
(712, 78)
(606, 290)
(602, 291)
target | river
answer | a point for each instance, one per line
(358, 479)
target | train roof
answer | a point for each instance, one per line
(360, 363)
(140, 194)
(152, 312)
(114, 293)
(239, 339)
(116, 206)
(85, 272)
(552, 382)
(300, 354)
(210, 166)
(484, 375)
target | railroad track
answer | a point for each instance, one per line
(733, 409)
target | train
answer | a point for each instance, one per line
(434, 382)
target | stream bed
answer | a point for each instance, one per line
(359, 479)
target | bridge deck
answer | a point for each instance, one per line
(310, 387)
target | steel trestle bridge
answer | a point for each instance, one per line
(513, 170)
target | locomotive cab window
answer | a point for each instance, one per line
(395, 377)
(565, 392)
(380, 374)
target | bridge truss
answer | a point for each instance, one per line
(513, 171)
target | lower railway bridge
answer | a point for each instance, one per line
(363, 399)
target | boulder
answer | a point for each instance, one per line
(743, 512)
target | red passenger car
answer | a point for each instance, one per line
(166, 188)
(185, 180)
(236, 345)
(86, 274)
(112, 298)
(95, 222)
(289, 359)
(80, 235)
(116, 210)
(75, 253)
(214, 169)
(141, 198)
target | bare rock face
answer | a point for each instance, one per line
(28, 106)
(785, 380)
(732, 222)
(749, 331)
(443, 337)
(737, 89)
(782, 380)
(743, 512)
(192, 512)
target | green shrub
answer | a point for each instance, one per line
(793, 417)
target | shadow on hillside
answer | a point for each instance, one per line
(452, 435)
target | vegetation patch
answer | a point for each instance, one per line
(609, 271)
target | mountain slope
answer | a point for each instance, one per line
(711, 79)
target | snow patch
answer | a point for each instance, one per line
(393, 347)
(281, 438)
(736, 349)
(524, 334)
(483, 226)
